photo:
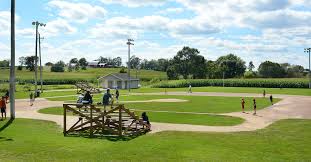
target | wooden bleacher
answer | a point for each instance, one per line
(94, 121)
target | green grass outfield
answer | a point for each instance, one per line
(203, 104)
(179, 118)
(34, 140)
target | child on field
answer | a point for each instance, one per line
(243, 103)
(117, 95)
(271, 99)
(3, 107)
(264, 93)
(255, 106)
(31, 98)
(190, 89)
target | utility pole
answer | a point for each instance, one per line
(129, 43)
(12, 69)
(40, 62)
(36, 23)
(308, 50)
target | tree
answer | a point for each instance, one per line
(188, 62)
(231, 65)
(251, 66)
(82, 62)
(5, 63)
(270, 69)
(295, 71)
(162, 64)
(30, 62)
(48, 64)
(134, 62)
(117, 62)
(58, 67)
(171, 73)
(73, 61)
(21, 61)
(211, 69)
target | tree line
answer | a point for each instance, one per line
(188, 63)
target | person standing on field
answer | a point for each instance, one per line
(190, 89)
(107, 96)
(255, 106)
(3, 107)
(31, 98)
(242, 104)
(117, 95)
(264, 93)
(271, 99)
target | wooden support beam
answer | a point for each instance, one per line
(65, 120)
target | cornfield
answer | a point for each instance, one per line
(265, 83)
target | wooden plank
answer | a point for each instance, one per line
(65, 119)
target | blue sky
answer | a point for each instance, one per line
(255, 30)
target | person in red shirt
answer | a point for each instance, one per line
(3, 107)
(243, 103)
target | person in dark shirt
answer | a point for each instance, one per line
(255, 106)
(88, 98)
(145, 118)
(107, 96)
(271, 99)
(117, 95)
(242, 104)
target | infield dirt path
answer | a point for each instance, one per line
(290, 107)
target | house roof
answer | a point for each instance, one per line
(93, 63)
(121, 76)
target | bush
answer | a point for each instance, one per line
(20, 68)
(264, 83)
(250, 74)
(123, 70)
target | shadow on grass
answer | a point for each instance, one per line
(8, 123)
(114, 138)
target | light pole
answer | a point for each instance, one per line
(12, 69)
(40, 62)
(308, 50)
(37, 24)
(129, 43)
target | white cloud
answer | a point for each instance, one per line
(57, 27)
(136, 3)
(167, 11)
(79, 12)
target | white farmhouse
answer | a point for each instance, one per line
(118, 80)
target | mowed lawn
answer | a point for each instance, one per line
(178, 118)
(201, 104)
(34, 140)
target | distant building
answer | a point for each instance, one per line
(118, 80)
(97, 64)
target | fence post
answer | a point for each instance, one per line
(65, 120)
(91, 115)
(120, 121)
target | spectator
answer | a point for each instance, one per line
(3, 107)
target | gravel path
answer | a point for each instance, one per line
(296, 107)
